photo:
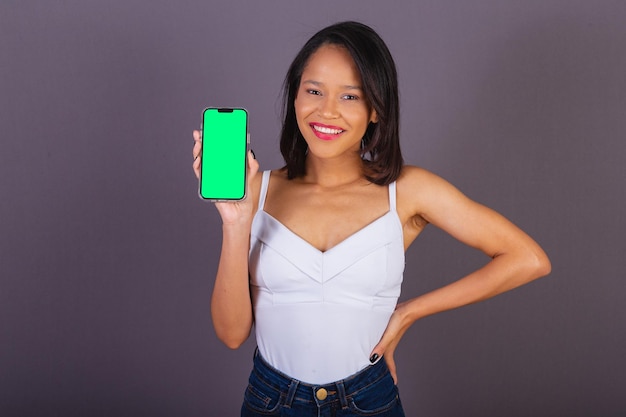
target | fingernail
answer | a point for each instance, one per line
(374, 358)
(252, 152)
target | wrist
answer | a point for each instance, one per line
(410, 311)
(237, 228)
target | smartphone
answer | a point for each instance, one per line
(224, 154)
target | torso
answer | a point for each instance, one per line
(325, 216)
(324, 276)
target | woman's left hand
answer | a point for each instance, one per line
(397, 326)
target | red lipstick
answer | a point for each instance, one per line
(326, 132)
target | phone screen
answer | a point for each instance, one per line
(224, 148)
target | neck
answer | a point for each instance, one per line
(333, 172)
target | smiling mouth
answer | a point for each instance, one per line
(324, 132)
(327, 130)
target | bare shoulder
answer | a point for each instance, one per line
(278, 180)
(254, 187)
(411, 189)
(420, 191)
(419, 179)
(413, 177)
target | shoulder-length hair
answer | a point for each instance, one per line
(380, 148)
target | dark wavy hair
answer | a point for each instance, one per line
(380, 148)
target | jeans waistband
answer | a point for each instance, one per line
(323, 393)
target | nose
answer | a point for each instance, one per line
(328, 109)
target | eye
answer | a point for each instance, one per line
(350, 97)
(313, 92)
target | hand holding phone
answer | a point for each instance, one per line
(223, 156)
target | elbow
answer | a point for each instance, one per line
(540, 266)
(546, 267)
(231, 340)
(231, 329)
(232, 343)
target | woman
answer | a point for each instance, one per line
(314, 256)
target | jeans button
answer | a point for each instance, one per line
(321, 394)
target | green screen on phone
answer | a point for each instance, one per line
(224, 147)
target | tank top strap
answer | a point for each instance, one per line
(264, 185)
(392, 196)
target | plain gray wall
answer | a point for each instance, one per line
(107, 255)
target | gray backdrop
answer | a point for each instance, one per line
(107, 255)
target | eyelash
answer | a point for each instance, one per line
(348, 97)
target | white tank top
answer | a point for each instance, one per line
(318, 315)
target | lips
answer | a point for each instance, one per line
(326, 132)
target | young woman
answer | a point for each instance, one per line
(314, 256)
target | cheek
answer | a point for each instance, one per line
(303, 106)
(297, 104)
(299, 113)
(360, 117)
(300, 116)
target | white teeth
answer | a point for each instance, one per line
(327, 130)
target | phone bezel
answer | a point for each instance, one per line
(245, 185)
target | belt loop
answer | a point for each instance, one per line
(293, 386)
(341, 393)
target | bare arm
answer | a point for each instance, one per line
(515, 257)
(231, 306)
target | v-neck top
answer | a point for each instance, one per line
(318, 314)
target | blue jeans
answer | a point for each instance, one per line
(370, 392)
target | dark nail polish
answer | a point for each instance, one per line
(252, 152)
(374, 358)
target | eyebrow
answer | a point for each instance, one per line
(319, 84)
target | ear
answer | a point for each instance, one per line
(373, 116)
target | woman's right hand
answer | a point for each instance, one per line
(236, 212)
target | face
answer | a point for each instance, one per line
(331, 109)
